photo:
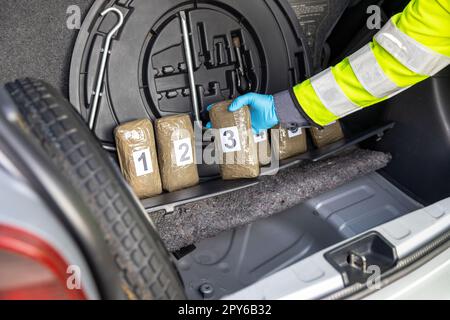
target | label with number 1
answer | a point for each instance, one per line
(142, 162)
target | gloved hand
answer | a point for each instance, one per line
(262, 110)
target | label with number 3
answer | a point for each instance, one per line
(229, 138)
(183, 152)
(142, 162)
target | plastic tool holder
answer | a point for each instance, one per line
(237, 46)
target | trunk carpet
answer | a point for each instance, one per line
(35, 40)
(207, 218)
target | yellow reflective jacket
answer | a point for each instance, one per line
(411, 47)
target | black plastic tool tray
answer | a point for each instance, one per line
(146, 73)
(211, 188)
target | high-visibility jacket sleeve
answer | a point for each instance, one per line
(411, 47)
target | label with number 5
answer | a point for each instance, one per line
(183, 152)
(229, 139)
(142, 162)
(292, 133)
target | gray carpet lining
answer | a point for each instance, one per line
(35, 40)
(207, 218)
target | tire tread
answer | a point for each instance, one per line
(71, 147)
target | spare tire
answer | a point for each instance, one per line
(146, 269)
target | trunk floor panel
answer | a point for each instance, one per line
(204, 219)
(240, 257)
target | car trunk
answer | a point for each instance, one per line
(228, 234)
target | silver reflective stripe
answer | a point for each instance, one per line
(409, 52)
(370, 75)
(331, 95)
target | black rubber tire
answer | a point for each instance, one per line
(147, 271)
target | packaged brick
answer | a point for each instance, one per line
(263, 147)
(175, 140)
(288, 143)
(327, 135)
(235, 144)
(136, 149)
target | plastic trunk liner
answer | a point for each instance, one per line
(235, 259)
(316, 20)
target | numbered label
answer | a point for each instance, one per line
(183, 152)
(294, 132)
(261, 137)
(142, 162)
(229, 138)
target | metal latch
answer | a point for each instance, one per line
(357, 261)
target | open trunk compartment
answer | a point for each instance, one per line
(350, 209)
(146, 72)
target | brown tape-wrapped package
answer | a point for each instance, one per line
(327, 135)
(235, 143)
(175, 139)
(136, 149)
(264, 149)
(288, 143)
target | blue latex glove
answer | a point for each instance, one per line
(262, 110)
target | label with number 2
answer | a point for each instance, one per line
(183, 152)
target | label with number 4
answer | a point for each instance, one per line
(229, 139)
(260, 137)
(142, 162)
(183, 152)
(294, 132)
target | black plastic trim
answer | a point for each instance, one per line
(334, 148)
(168, 201)
(373, 246)
(325, 152)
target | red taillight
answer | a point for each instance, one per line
(30, 269)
